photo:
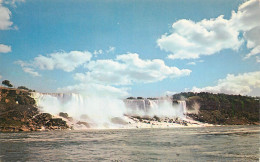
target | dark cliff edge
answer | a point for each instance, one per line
(221, 109)
(19, 113)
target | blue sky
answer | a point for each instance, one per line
(131, 48)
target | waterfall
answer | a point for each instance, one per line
(96, 111)
(158, 107)
(99, 112)
(183, 107)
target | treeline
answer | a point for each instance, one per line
(8, 84)
(213, 96)
(222, 108)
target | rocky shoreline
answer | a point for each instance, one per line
(19, 113)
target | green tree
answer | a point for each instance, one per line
(23, 87)
(7, 83)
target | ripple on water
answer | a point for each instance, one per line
(227, 143)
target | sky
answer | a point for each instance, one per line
(131, 47)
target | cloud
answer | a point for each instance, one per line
(109, 77)
(257, 59)
(0, 76)
(13, 2)
(95, 90)
(5, 22)
(169, 93)
(247, 16)
(111, 49)
(98, 52)
(66, 61)
(30, 71)
(27, 69)
(254, 51)
(247, 20)
(5, 15)
(234, 84)
(253, 41)
(190, 40)
(191, 63)
(5, 48)
(128, 68)
(195, 62)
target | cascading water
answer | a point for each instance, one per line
(96, 111)
(183, 107)
(100, 112)
(158, 107)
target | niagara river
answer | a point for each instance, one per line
(222, 143)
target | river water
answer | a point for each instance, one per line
(223, 143)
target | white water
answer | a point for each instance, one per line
(158, 107)
(183, 106)
(98, 111)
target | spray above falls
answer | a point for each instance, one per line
(106, 112)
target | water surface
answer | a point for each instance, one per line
(224, 143)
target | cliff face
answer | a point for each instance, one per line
(18, 113)
(221, 108)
